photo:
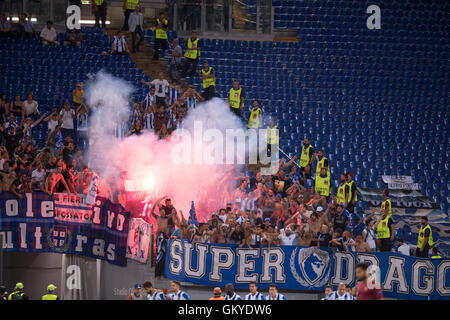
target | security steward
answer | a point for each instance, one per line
(425, 238)
(350, 196)
(191, 55)
(209, 81)
(236, 99)
(322, 162)
(162, 25)
(306, 159)
(50, 293)
(322, 184)
(342, 191)
(385, 232)
(128, 7)
(386, 204)
(18, 293)
(217, 294)
(255, 118)
(272, 138)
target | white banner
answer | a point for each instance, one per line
(400, 182)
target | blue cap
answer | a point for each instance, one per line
(267, 219)
(137, 286)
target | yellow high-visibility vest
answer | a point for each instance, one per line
(421, 237)
(272, 135)
(161, 33)
(322, 185)
(131, 4)
(192, 54)
(207, 82)
(350, 195)
(235, 98)
(383, 231)
(253, 121)
(320, 164)
(14, 293)
(436, 257)
(49, 297)
(99, 2)
(341, 193)
(304, 157)
(383, 206)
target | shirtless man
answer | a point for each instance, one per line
(248, 230)
(360, 245)
(162, 219)
(270, 236)
(53, 179)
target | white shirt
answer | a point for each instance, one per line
(279, 296)
(67, 120)
(38, 175)
(135, 20)
(48, 34)
(161, 87)
(404, 249)
(335, 296)
(257, 296)
(29, 108)
(52, 125)
(287, 240)
(233, 297)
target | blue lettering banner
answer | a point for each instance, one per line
(304, 268)
(64, 224)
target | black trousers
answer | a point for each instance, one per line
(208, 93)
(159, 44)
(350, 207)
(137, 32)
(126, 13)
(188, 62)
(386, 245)
(100, 14)
(424, 253)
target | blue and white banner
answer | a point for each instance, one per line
(303, 268)
(40, 223)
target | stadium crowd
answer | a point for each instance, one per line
(270, 210)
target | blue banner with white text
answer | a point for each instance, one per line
(304, 268)
(64, 224)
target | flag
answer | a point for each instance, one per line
(192, 217)
(160, 255)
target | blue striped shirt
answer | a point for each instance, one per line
(279, 296)
(173, 94)
(180, 295)
(233, 297)
(156, 296)
(257, 296)
(335, 296)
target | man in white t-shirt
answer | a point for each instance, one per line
(38, 175)
(402, 247)
(287, 237)
(48, 34)
(67, 115)
(161, 85)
